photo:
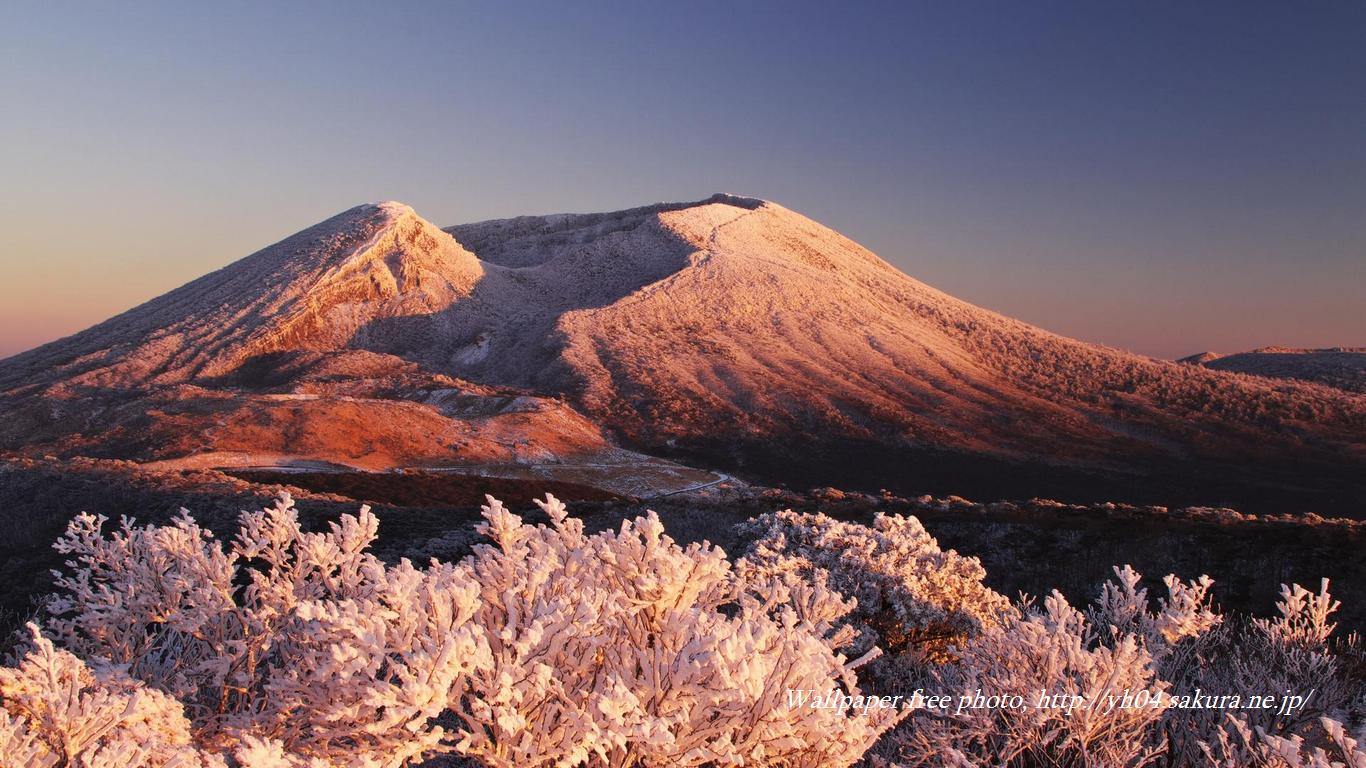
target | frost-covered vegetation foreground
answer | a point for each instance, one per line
(551, 647)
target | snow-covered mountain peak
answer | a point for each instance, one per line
(730, 326)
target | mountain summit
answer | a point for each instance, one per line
(315, 290)
(730, 331)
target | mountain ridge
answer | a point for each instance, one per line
(369, 254)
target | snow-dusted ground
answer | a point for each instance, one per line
(643, 479)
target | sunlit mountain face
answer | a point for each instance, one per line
(376, 340)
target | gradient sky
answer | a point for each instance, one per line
(1164, 177)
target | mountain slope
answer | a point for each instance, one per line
(732, 331)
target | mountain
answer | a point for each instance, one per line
(729, 332)
(261, 364)
(1340, 367)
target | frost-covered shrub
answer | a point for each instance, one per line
(305, 638)
(550, 647)
(909, 592)
(1291, 652)
(57, 711)
(545, 647)
(1239, 745)
(1085, 663)
(623, 648)
(1053, 650)
(1123, 609)
(1303, 621)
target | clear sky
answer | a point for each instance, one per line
(1165, 177)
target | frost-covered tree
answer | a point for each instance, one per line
(57, 711)
(1083, 664)
(1123, 608)
(545, 647)
(910, 593)
(1051, 650)
(1239, 745)
(305, 638)
(1291, 652)
(623, 648)
(284, 648)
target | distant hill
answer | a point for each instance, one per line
(1340, 367)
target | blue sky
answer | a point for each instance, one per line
(1165, 177)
